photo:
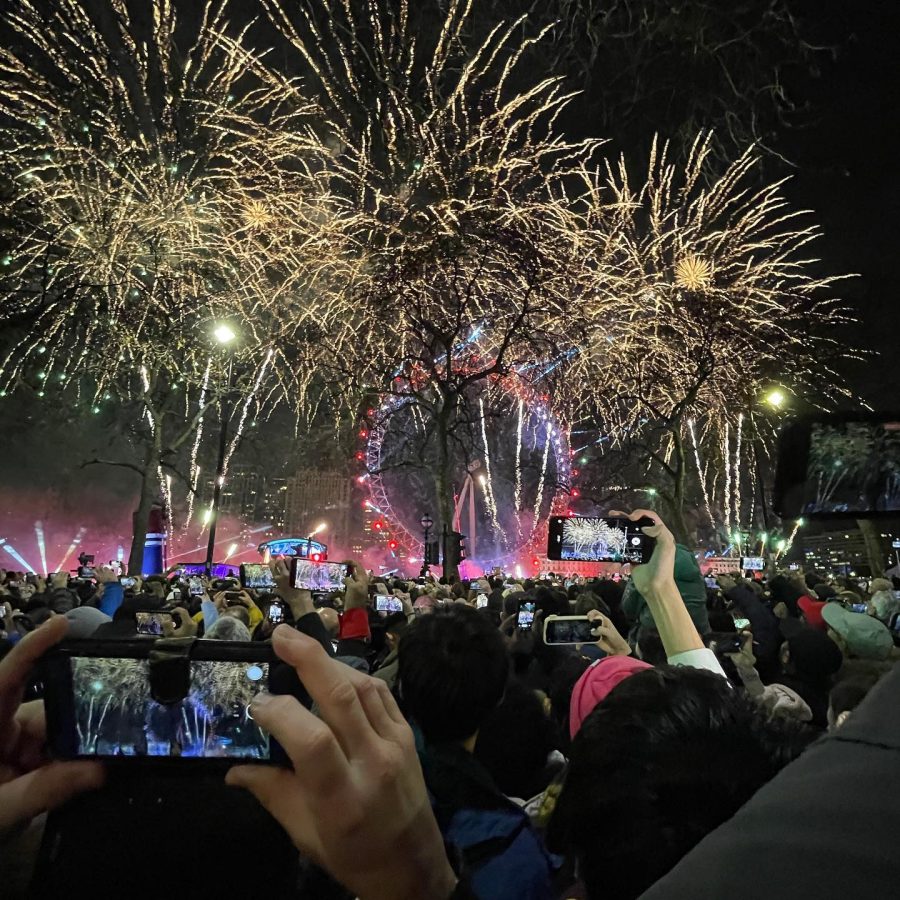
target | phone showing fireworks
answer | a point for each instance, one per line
(598, 539)
(101, 707)
(320, 577)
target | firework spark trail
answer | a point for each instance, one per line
(726, 458)
(540, 490)
(793, 534)
(488, 482)
(518, 491)
(245, 410)
(75, 542)
(700, 472)
(194, 474)
(737, 471)
(42, 548)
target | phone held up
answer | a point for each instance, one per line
(525, 617)
(117, 701)
(388, 604)
(599, 539)
(569, 630)
(318, 577)
(257, 576)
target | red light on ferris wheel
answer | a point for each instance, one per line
(536, 563)
(392, 545)
(378, 525)
(360, 456)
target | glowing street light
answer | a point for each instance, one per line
(776, 398)
(224, 333)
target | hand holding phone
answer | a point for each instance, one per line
(525, 617)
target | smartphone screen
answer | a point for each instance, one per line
(322, 577)
(752, 564)
(86, 572)
(152, 622)
(275, 612)
(859, 607)
(741, 624)
(711, 582)
(569, 631)
(195, 585)
(257, 576)
(388, 604)
(596, 539)
(101, 707)
(526, 614)
(481, 601)
(127, 582)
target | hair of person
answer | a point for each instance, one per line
(551, 602)
(650, 647)
(664, 759)
(492, 615)
(453, 668)
(237, 612)
(721, 621)
(587, 600)
(514, 742)
(228, 628)
(782, 591)
(562, 680)
(396, 623)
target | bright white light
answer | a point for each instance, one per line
(319, 528)
(231, 550)
(207, 516)
(776, 398)
(224, 334)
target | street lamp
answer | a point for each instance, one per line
(427, 523)
(776, 398)
(224, 333)
(226, 336)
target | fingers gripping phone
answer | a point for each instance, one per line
(103, 701)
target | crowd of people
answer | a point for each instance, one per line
(735, 740)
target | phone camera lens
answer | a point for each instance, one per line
(254, 673)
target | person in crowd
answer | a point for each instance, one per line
(860, 636)
(691, 589)
(395, 627)
(845, 696)
(884, 603)
(227, 628)
(633, 804)
(453, 671)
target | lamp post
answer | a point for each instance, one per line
(225, 336)
(427, 523)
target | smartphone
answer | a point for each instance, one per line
(752, 564)
(257, 576)
(275, 612)
(727, 643)
(100, 703)
(152, 622)
(127, 581)
(859, 607)
(195, 585)
(234, 598)
(318, 577)
(526, 615)
(793, 567)
(599, 539)
(838, 466)
(86, 572)
(711, 582)
(741, 624)
(388, 604)
(569, 630)
(481, 601)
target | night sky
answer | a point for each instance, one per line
(847, 171)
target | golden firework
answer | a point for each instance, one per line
(693, 273)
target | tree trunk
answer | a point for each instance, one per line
(876, 552)
(140, 518)
(444, 482)
(677, 524)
